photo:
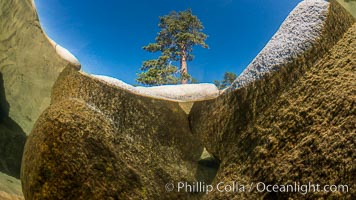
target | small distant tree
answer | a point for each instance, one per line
(194, 80)
(218, 84)
(180, 31)
(228, 79)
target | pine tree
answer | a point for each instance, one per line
(228, 79)
(179, 32)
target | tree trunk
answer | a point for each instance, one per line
(183, 65)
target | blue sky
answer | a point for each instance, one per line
(107, 36)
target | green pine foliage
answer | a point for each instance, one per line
(179, 32)
(228, 79)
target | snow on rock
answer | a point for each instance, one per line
(298, 32)
(180, 93)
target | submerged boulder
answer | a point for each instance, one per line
(294, 122)
(295, 126)
(10, 188)
(29, 62)
(29, 65)
(100, 141)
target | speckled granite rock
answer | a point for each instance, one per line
(260, 94)
(299, 33)
(97, 141)
(291, 126)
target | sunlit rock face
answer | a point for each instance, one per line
(294, 125)
(178, 93)
(300, 32)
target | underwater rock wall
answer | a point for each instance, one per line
(293, 125)
(100, 141)
(295, 122)
(349, 5)
(10, 188)
(29, 65)
(246, 102)
(29, 62)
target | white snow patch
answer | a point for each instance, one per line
(298, 33)
(179, 93)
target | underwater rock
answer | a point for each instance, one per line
(29, 66)
(99, 141)
(10, 188)
(293, 126)
(12, 138)
(301, 31)
(28, 62)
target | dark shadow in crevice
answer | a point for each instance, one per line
(208, 166)
(12, 138)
